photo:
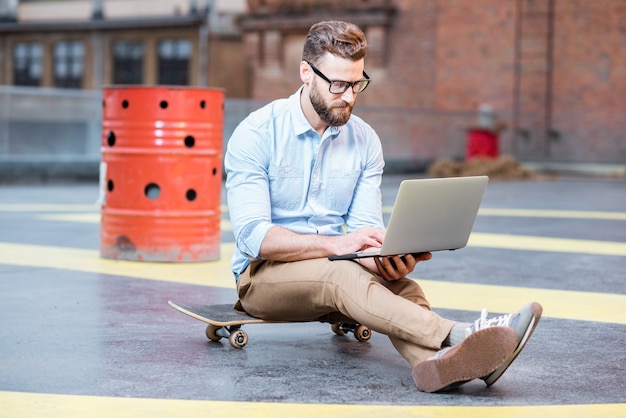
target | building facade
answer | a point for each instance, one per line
(552, 71)
(88, 44)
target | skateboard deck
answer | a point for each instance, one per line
(225, 322)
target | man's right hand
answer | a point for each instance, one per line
(361, 239)
(281, 244)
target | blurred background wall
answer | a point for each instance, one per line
(551, 74)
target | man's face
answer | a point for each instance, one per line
(335, 109)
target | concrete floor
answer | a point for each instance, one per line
(86, 336)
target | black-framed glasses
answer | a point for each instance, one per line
(340, 87)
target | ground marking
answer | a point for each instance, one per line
(564, 304)
(18, 404)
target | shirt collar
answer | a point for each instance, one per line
(300, 123)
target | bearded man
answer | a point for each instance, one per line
(303, 183)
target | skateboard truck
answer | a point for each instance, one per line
(238, 338)
(224, 322)
(361, 332)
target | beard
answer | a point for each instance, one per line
(333, 114)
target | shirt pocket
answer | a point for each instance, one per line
(341, 187)
(286, 184)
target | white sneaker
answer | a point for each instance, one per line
(479, 354)
(523, 322)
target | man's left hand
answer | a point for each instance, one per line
(396, 267)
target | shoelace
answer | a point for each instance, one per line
(483, 322)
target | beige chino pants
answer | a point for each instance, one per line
(344, 291)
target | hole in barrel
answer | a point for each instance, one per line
(191, 195)
(111, 138)
(152, 191)
(125, 104)
(163, 104)
(110, 185)
(190, 141)
(214, 171)
(203, 104)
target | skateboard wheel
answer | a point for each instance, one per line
(238, 338)
(337, 329)
(211, 333)
(362, 333)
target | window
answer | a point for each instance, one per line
(68, 64)
(174, 57)
(128, 62)
(27, 64)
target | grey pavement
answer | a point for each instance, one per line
(69, 329)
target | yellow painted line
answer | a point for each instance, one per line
(541, 213)
(58, 207)
(48, 207)
(565, 304)
(17, 405)
(544, 213)
(90, 218)
(210, 273)
(535, 243)
(94, 218)
(477, 239)
(523, 213)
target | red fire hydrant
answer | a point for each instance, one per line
(483, 140)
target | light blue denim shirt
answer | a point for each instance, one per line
(280, 172)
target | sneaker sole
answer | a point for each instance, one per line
(478, 355)
(536, 310)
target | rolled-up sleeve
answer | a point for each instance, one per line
(366, 207)
(247, 188)
(251, 236)
(281, 172)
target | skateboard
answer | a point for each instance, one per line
(225, 322)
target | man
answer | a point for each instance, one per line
(302, 170)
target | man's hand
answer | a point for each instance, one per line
(281, 244)
(397, 267)
(359, 240)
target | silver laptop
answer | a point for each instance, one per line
(430, 215)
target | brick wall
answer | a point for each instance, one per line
(589, 101)
(554, 71)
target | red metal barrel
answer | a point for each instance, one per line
(482, 143)
(162, 173)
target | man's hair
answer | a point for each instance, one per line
(341, 39)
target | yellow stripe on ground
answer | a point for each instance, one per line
(535, 243)
(477, 239)
(17, 405)
(211, 273)
(565, 304)
(521, 213)
(564, 214)
(544, 213)
(94, 218)
(89, 218)
(48, 207)
(59, 207)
